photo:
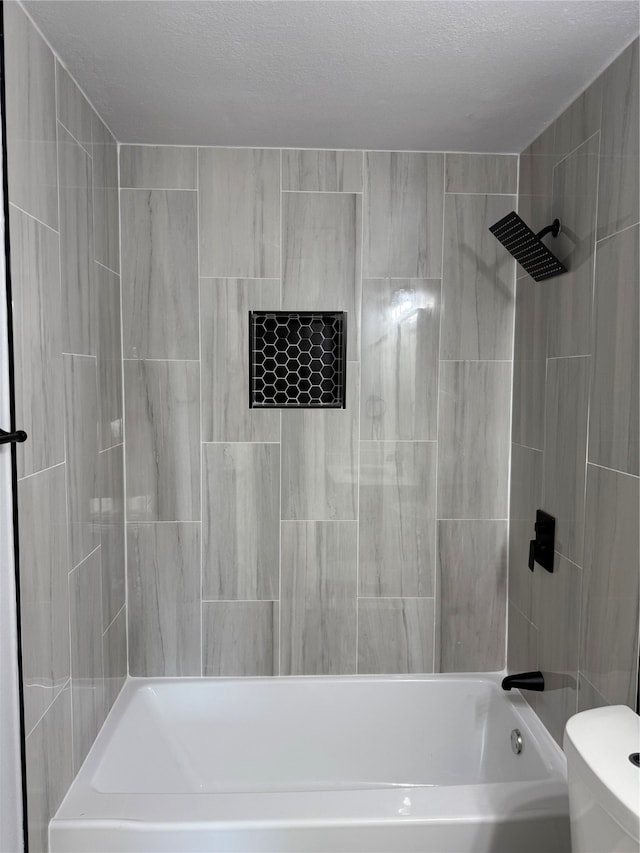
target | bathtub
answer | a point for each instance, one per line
(317, 764)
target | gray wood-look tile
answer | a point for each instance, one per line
(526, 498)
(159, 274)
(239, 201)
(76, 247)
(556, 615)
(241, 521)
(397, 518)
(588, 696)
(477, 280)
(618, 186)
(575, 187)
(565, 451)
(472, 595)
(49, 767)
(321, 257)
(240, 638)
(44, 566)
(322, 171)
(106, 208)
(529, 364)
(73, 109)
(522, 642)
(613, 412)
(318, 598)
(37, 330)
(158, 167)
(537, 162)
(162, 411)
(535, 182)
(81, 419)
(111, 502)
(473, 432)
(400, 335)
(579, 121)
(481, 173)
(224, 329)
(87, 676)
(114, 655)
(403, 214)
(611, 586)
(164, 599)
(31, 118)
(109, 357)
(395, 635)
(320, 459)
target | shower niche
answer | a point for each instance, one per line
(297, 359)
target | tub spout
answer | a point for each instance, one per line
(524, 681)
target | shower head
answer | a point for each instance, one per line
(527, 248)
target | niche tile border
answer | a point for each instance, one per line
(297, 359)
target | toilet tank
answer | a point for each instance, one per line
(604, 785)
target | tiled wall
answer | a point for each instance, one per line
(64, 233)
(367, 540)
(575, 417)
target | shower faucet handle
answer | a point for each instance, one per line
(542, 547)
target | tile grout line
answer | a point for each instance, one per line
(619, 231)
(363, 170)
(164, 360)
(125, 520)
(42, 471)
(104, 266)
(125, 144)
(510, 468)
(573, 150)
(61, 689)
(110, 625)
(77, 141)
(160, 189)
(200, 415)
(66, 443)
(436, 527)
(590, 367)
(322, 192)
(279, 673)
(489, 193)
(83, 560)
(26, 213)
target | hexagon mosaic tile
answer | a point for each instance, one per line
(297, 359)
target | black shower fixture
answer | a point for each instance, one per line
(527, 248)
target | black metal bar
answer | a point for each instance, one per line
(12, 437)
(553, 229)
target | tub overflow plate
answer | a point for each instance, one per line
(516, 741)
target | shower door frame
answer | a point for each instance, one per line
(13, 800)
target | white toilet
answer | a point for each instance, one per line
(604, 784)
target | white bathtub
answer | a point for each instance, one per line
(317, 764)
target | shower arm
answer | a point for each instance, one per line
(553, 229)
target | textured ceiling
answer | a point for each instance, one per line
(467, 75)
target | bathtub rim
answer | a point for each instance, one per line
(83, 806)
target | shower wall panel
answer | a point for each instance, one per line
(64, 234)
(318, 548)
(575, 407)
